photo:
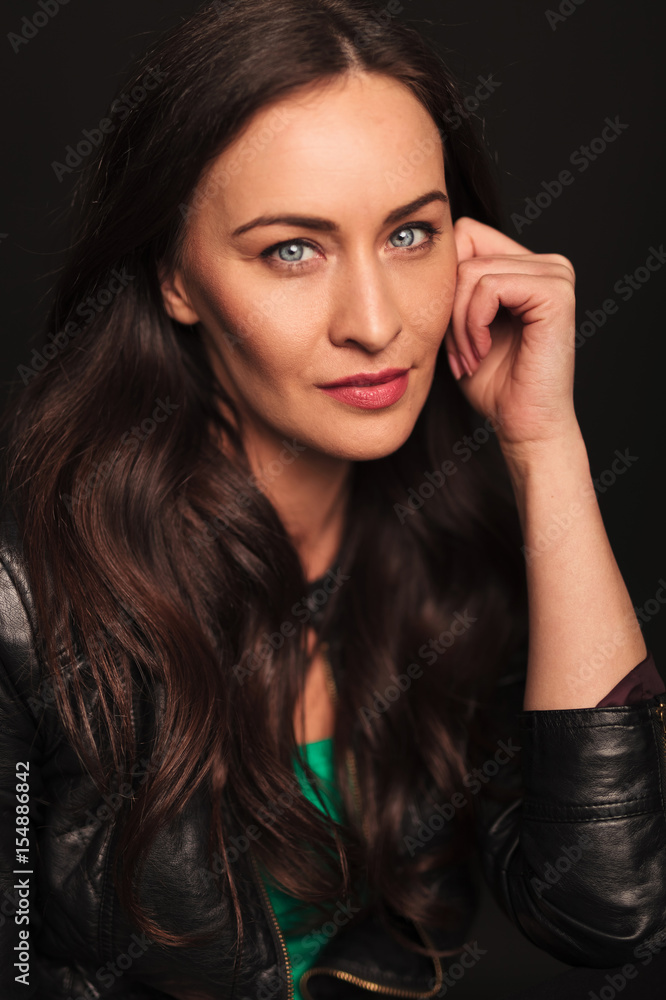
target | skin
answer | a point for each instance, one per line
(362, 302)
(359, 301)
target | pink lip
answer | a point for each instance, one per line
(366, 378)
(371, 397)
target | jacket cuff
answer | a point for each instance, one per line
(593, 763)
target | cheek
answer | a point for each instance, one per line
(434, 302)
(255, 330)
(273, 340)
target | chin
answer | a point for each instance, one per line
(363, 444)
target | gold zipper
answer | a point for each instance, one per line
(394, 991)
(660, 712)
(290, 978)
(368, 984)
(353, 777)
(661, 715)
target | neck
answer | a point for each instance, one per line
(309, 490)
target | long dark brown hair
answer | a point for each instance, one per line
(147, 570)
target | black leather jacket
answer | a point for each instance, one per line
(577, 861)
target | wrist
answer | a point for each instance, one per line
(565, 453)
(549, 478)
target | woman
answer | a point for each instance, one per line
(264, 636)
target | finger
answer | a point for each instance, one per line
(473, 344)
(455, 365)
(546, 258)
(525, 296)
(476, 239)
(454, 357)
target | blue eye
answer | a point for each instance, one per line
(410, 239)
(290, 252)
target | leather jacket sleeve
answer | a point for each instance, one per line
(20, 814)
(571, 832)
(26, 731)
(572, 827)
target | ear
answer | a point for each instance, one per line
(176, 300)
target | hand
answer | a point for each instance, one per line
(526, 372)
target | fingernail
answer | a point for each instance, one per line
(455, 367)
(465, 364)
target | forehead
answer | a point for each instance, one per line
(359, 144)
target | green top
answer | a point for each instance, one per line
(303, 949)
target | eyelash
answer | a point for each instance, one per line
(433, 234)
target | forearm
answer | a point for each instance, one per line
(583, 632)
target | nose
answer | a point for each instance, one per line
(365, 310)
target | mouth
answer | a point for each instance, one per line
(366, 378)
(368, 391)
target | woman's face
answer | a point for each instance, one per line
(357, 285)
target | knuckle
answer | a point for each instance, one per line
(471, 267)
(488, 278)
(561, 259)
(565, 262)
(465, 265)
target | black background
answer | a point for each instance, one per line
(558, 84)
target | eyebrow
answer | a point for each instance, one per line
(325, 225)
